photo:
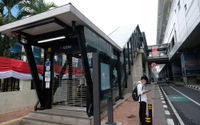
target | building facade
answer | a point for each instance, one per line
(179, 26)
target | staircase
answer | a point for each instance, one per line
(60, 115)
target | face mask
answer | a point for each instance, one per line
(144, 83)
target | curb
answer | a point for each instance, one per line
(168, 116)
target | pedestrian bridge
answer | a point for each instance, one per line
(158, 53)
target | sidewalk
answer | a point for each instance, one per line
(128, 111)
(13, 117)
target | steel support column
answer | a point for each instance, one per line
(69, 86)
(52, 83)
(34, 73)
(96, 90)
(124, 66)
(131, 41)
(129, 65)
(119, 75)
(82, 42)
(110, 112)
(110, 102)
(48, 91)
(44, 68)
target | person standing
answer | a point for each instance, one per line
(142, 98)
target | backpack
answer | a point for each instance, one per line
(135, 94)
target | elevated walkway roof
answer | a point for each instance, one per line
(122, 34)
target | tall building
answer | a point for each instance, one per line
(179, 25)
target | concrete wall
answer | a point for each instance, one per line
(16, 100)
(137, 70)
(147, 69)
(136, 73)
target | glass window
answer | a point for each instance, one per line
(115, 81)
(105, 76)
(9, 84)
(114, 77)
(16, 48)
(37, 55)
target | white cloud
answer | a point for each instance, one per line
(110, 14)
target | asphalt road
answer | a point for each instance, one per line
(186, 102)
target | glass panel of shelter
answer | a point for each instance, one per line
(115, 81)
(73, 92)
(70, 84)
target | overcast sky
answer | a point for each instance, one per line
(111, 14)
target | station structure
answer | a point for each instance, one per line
(179, 27)
(108, 66)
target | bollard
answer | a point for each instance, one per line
(148, 119)
(150, 110)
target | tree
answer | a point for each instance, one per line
(6, 16)
(25, 8)
(32, 7)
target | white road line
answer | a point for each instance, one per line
(163, 102)
(186, 96)
(167, 112)
(170, 121)
(162, 98)
(174, 110)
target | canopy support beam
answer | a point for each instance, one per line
(34, 73)
(82, 42)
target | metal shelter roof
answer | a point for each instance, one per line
(65, 14)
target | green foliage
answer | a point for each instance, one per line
(6, 17)
(32, 7)
(26, 8)
(8, 4)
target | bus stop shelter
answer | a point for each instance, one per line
(67, 30)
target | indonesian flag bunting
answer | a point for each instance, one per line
(19, 69)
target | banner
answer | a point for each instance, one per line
(19, 69)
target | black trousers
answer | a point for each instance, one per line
(142, 112)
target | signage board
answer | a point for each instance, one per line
(47, 74)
